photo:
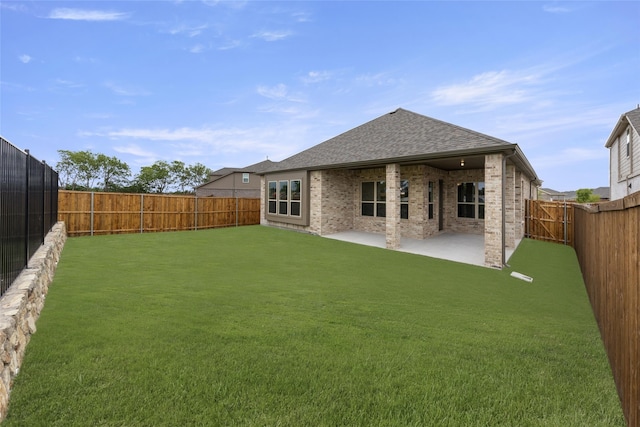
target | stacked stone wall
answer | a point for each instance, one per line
(20, 308)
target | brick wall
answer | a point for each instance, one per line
(493, 211)
(393, 206)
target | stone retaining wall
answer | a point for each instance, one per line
(20, 307)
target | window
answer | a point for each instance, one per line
(295, 197)
(285, 197)
(431, 187)
(471, 200)
(628, 141)
(374, 199)
(273, 185)
(404, 199)
(245, 178)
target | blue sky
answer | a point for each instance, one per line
(228, 84)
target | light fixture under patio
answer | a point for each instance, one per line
(461, 162)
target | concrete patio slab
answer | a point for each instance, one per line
(458, 247)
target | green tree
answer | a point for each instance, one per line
(77, 170)
(156, 178)
(192, 176)
(585, 195)
(83, 170)
(113, 173)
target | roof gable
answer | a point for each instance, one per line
(631, 117)
(396, 135)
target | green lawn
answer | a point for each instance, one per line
(265, 327)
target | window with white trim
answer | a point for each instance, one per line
(628, 141)
(285, 197)
(245, 178)
(471, 200)
(273, 197)
(374, 197)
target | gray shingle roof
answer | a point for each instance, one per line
(632, 117)
(396, 135)
(258, 167)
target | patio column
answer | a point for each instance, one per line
(493, 211)
(510, 207)
(393, 206)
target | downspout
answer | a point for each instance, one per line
(504, 215)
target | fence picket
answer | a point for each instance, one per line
(549, 221)
(608, 246)
(116, 213)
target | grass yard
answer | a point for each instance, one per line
(255, 326)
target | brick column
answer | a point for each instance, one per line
(493, 211)
(519, 211)
(263, 201)
(393, 206)
(315, 202)
(510, 207)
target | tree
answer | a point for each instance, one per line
(82, 170)
(113, 172)
(585, 195)
(192, 176)
(77, 169)
(156, 178)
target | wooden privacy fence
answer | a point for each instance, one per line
(549, 221)
(608, 247)
(91, 213)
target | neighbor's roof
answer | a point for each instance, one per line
(256, 168)
(632, 117)
(399, 136)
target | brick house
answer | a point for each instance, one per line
(624, 155)
(234, 182)
(404, 175)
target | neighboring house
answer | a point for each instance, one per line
(559, 196)
(602, 192)
(405, 175)
(234, 182)
(551, 195)
(624, 155)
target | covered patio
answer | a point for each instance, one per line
(458, 247)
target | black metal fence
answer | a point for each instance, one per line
(28, 209)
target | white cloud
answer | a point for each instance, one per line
(316, 76)
(68, 84)
(279, 92)
(125, 91)
(272, 36)
(25, 59)
(199, 48)
(301, 16)
(136, 150)
(569, 156)
(230, 44)
(490, 89)
(275, 92)
(188, 30)
(233, 4)
(555, 9)
(87, 15)
(378, 79)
